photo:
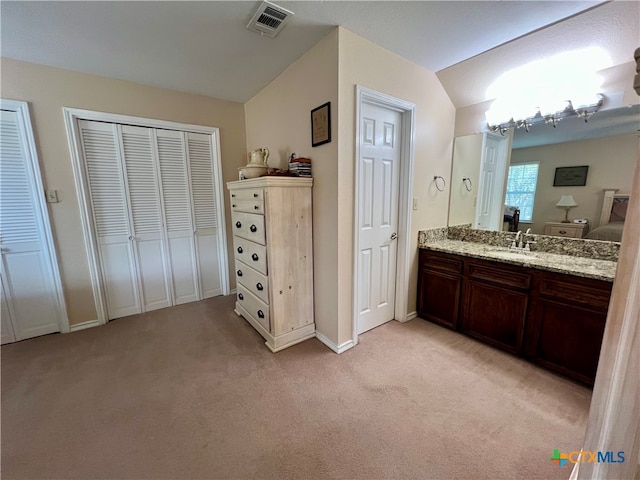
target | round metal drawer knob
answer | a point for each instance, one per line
(238, 224)
(260, 313)
(240, 250)
(259, 286)
(241, 296)
(253, 228)
(563, 232)
(254, 257)
(239, 272)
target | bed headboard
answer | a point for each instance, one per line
(614, 206)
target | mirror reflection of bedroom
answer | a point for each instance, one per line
(571, 179)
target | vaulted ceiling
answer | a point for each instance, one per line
(204, 47)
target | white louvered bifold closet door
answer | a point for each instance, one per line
(176, 199)
(101, 150)
(200, 154)
(28, 290)
(138, 145)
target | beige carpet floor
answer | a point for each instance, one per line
(192, 392)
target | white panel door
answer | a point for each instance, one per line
(200, 154)
(493, 168)
(176, 199)
(138, 146)
(108, 197)
(29, 304)
(378, 186)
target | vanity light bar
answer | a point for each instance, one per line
(583, 111)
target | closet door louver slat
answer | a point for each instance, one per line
(200, 156)
(144, 199)
(176, 197)
(111, 217)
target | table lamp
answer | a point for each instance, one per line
(567, 202)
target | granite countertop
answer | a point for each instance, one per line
(579, 266)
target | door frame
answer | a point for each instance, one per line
(71, 117)
(407, 111)
(26, 128)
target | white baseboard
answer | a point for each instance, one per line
(336, 348)
(411, 316)
(233, 291)
(81, 326)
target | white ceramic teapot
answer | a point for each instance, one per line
(259, 157)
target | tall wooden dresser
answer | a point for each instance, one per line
(272, 243)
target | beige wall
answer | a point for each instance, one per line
(467, 154)
(49, 89)
(366, 64)
(611, 161)
(278, 117)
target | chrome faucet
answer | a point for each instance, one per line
(526, 235)
(514, 243)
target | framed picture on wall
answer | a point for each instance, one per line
(571, 176)
(321, 125)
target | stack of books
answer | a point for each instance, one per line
(300, 167)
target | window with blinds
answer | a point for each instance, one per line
(521, 188)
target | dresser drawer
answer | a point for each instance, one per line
(255, 194)
(251, 254)
(248, 206)
(569, 230)
(254, 281)
(249, 226)
(258, 310)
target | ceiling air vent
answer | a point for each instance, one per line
(269, 19)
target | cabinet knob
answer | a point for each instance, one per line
(253, 229)
(260, 314)
(563, 232)
(233, 195)
(239, 272)
(240, 250)
(256, 207)
(255, 195)
(254, 257)
(241, 296)
(259, 286)
(234, 205)
(238, 224)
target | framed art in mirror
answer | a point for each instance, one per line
(571, 176)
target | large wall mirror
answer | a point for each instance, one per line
(526, 166)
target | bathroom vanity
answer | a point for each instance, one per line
(548, 308)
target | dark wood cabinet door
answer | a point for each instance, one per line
(439, 297)
(568, 338)
(495, 315)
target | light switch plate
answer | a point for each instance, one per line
(52, 196)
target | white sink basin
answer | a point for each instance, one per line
(512, 255)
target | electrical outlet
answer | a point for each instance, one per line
(415, 203)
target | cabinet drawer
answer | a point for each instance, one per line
(251, 254)
(569, 231)
(572, 292)
(499, 275)
(258, 310)
(249, 226)
(254, 194)
(445, 263)
(248, 206)
(254, 281)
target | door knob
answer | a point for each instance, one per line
(394, 235)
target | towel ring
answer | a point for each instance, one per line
(467, 183)
(444, 182)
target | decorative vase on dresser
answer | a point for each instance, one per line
(272, 243)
